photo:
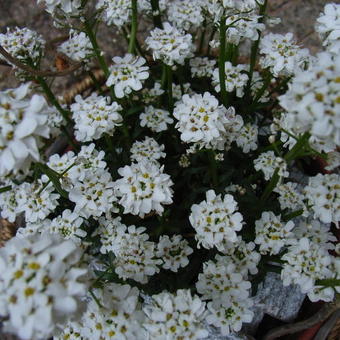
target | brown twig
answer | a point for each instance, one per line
(38, 73)
(324, 313)
(82, 86)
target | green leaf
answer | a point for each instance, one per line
(6, 188)
(54, 178)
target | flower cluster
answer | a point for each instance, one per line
(215, 220)
(77, 47)
(186, 14)
(127, 74)
(155, 119)
(119, 316)
(174, 252)
(94, 116)
(281, 55)
(327, 25)
(305, 263)
(185, 167)
(267, 162)
(23, 43)
(143, 188)
(170, 45)
(201, 120)
(235, 78)
(272, 234)
(312, 102)
(23, 122)
(323, 193)
(179, 314)
(40, 285)
(148, 149)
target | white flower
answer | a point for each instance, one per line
(40, 284)
(23, 44)
(127, 74)
(119, 316)
(148, 150)
(243, 26)
(221, 283)
(235, 78)
(243, 255)
(175, 316)
(134, 255)
(333, 160)
(328, 27)
(108, 233)
(155, 119)
(184, 161)
(68, 225)
(93, 194)
(23, 121)
(323, 193)
(115, 12)
(177, 92)
(9, 203)
(316, 232)
(215, 220)
(306, 262)
(312, 102)
(230, 318)
(94, 116)
(281, 55)
(272, 234)
(203, 121)
(35, 201)
(145, 6)
(202, 67)
(170, 45)
(185, 14)
(78, 46)
(151, 95)
(174, 252)
(216, 8)
(267, 162)
(290, 197)
(143, 188)
(247, 138)
(70, 7)
(76, 167)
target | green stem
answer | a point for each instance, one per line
(53, 100)
(96, 49)
(255, 48)
(6, 188)
(134, 24)
(292, 215)
(213, 167)
(169, 88)
(212, 34)
(328, 282)
(202, 38)
(297, 149)
(156, 14)
(109, 143)
(221, 61)
(95, 82)
(163, 79)
(271, 185)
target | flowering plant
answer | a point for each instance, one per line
(183, 180)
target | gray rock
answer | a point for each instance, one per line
(276, 300)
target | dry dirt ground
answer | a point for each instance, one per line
(298, 16)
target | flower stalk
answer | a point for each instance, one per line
(221, 61)
(134, 25)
